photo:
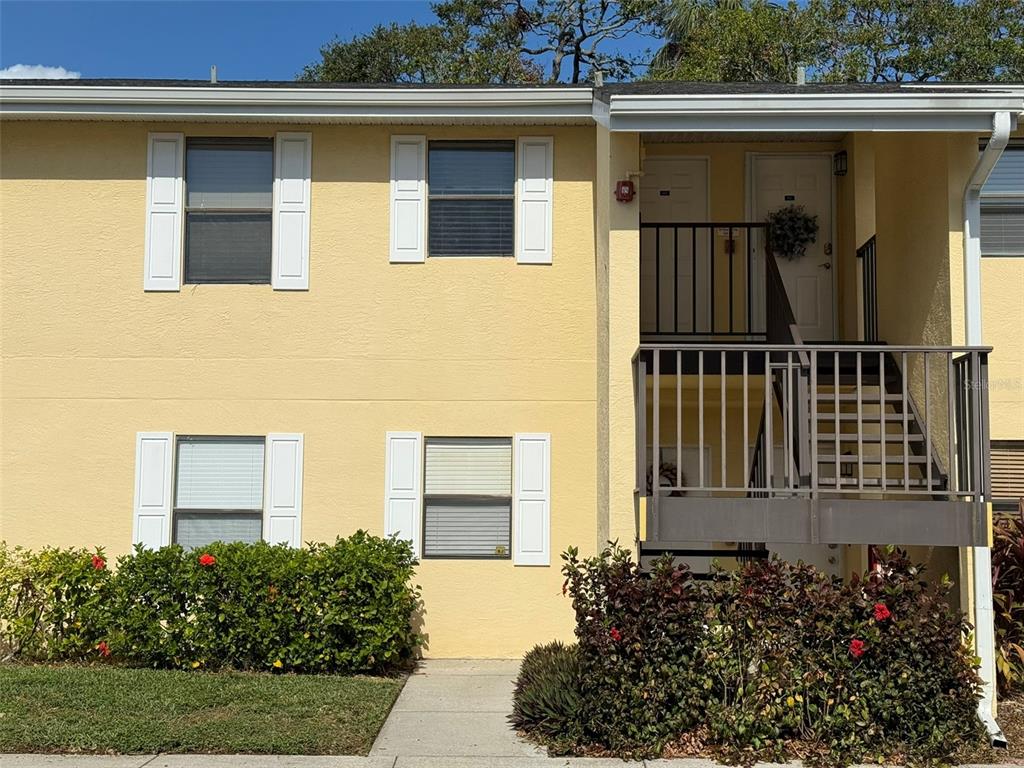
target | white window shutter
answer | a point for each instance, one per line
(535, 188)
(151, 523)
(282, 497)
(164, 211)
(292, 171)
(403, 477)
(408, 198)
(531, 503)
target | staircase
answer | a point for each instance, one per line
(870, 435)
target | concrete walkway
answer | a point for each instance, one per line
(454, 708)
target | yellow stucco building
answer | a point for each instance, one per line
(484, 319)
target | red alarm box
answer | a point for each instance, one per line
(624, 191)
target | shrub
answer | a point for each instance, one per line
(771, 661)
(53, 603)
(1008, 595)
(637, 650)
(547, 697)
(344, 607)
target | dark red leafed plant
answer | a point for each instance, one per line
(1008, 598)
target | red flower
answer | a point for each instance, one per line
(98, 563)
(857, 648)
(616, 635)
(206, 559)
(103, 648)
(881, 612)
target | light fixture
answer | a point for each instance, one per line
(839, 163)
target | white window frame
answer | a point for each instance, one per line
(514, 196)
(510, 497)
(175, 509)
(269, 211)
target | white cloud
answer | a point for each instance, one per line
(38, 72)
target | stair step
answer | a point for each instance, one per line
(849, 397)
(897, 418)
(852, 459)
(892, 437)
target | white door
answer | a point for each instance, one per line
(673, 190)
(805, 180)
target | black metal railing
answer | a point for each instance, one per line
(701, 279)
(869, 272)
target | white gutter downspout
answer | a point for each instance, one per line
(984, 631)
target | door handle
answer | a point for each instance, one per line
(826, 265)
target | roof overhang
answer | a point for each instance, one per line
(905, 110)
(352, 105)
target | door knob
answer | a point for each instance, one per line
(826, 265)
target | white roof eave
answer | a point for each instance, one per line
(293, 104)
(890, 111)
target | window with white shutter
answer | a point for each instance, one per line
(228, 210)
(1002, 205)
(471, 203)
(218, 493)
(467, 507)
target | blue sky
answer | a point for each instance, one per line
(155, 38)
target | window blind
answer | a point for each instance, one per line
(229, 173)
(228, 248)
(465, 466)
(1002, 227)
(468, 528)
(468, 497)
(220, 473)
(471, 206)
(197, 529)
(229, 202)
(1007, 178)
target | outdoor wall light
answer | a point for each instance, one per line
(839, 163)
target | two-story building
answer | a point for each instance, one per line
(499, 321)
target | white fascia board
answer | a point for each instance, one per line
(201, 102)
(915, 111)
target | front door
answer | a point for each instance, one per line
(780, 180)
(673, 190)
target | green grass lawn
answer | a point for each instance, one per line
(107, 709)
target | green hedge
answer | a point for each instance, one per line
(773, 661)
(345, 607)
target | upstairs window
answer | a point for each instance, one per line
(229, 202)
(218, 493)
(467, 497)
(1002, 205)
(471, 198)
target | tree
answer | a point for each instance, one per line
(844, 40)
(920, 40)
(413, 53)
(731, 40)
(498, 41)
(581, 36)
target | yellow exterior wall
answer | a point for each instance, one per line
(1002, 322)
(449, 347)
(619, 316)
(1002, 328)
